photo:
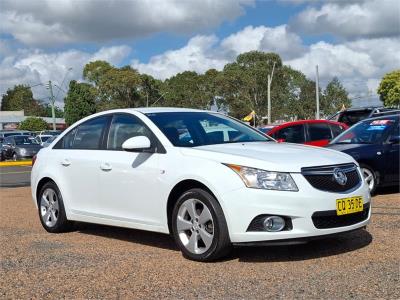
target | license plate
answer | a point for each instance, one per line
(349, 205)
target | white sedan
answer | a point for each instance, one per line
(205, 178)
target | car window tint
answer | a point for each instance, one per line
(291, 134)
(396, 131)
(124, 127)
(336, 129)
(88, 135)
(319, 131)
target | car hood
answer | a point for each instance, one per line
(270, 156)
(349, 147)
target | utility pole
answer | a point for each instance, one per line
(317, 92)
(52, 102)
(269, 93)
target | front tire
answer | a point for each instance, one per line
(51, 209)
(199, 226)
(370, 177)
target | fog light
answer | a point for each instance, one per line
(274, 223)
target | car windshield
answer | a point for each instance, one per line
(25, 140)
(367, 132)
(191, 129)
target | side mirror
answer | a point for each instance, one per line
(394, 140)
(137, 143)
(281, 140)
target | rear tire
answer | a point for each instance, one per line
(51, 209)
(370, 177)
(199, 226)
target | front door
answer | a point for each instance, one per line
(130, 181)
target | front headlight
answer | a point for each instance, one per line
(261, 179)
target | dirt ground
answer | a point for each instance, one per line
(106, 262)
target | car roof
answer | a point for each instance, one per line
(146, 110)
(390, 117)
(308, 122)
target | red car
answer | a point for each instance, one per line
(308, 132)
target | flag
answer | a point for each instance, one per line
(249, 117)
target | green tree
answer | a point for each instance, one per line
(119, 88)
(95, 70)
(334, 97)
(79, 102)
(298, 99)
(186, 89)
(150, 90)
(19, 97)
(244, 84)
(33, 124)
(389, 89)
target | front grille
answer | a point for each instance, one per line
(322, 178)
(329, 219)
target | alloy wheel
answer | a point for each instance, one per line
(369, 178)
(49, 207)
(195, 226)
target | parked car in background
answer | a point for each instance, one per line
(50, 132)
(266, 129)
(351, 116)
(19, 147)
(6, 133)
(308, 132)
(374, 144)
(41, 139)
(49, 141)
(207, 179)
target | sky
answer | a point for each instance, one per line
(41, 40)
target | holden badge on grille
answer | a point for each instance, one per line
(339, 176)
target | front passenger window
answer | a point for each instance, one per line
(124, 127)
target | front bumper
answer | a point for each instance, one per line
(243, 205)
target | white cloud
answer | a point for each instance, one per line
(270, 39)
(48, 22)
(204, 52)
(359, 65)
(198, 55)
(35, 66)
(350, 19)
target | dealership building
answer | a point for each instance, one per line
(9, 120)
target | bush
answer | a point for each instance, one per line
(33, 124)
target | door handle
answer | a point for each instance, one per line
(66, 162)
(105, 167)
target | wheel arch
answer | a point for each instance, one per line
(178, 190)
(40, 184)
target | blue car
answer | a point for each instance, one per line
(374, 144)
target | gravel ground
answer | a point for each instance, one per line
(106, 262)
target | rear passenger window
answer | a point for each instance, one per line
(320, 131)
(86, 136)
(124, 127)
(291, 134)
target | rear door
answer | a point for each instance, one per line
(78, 156)
(319, 134)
